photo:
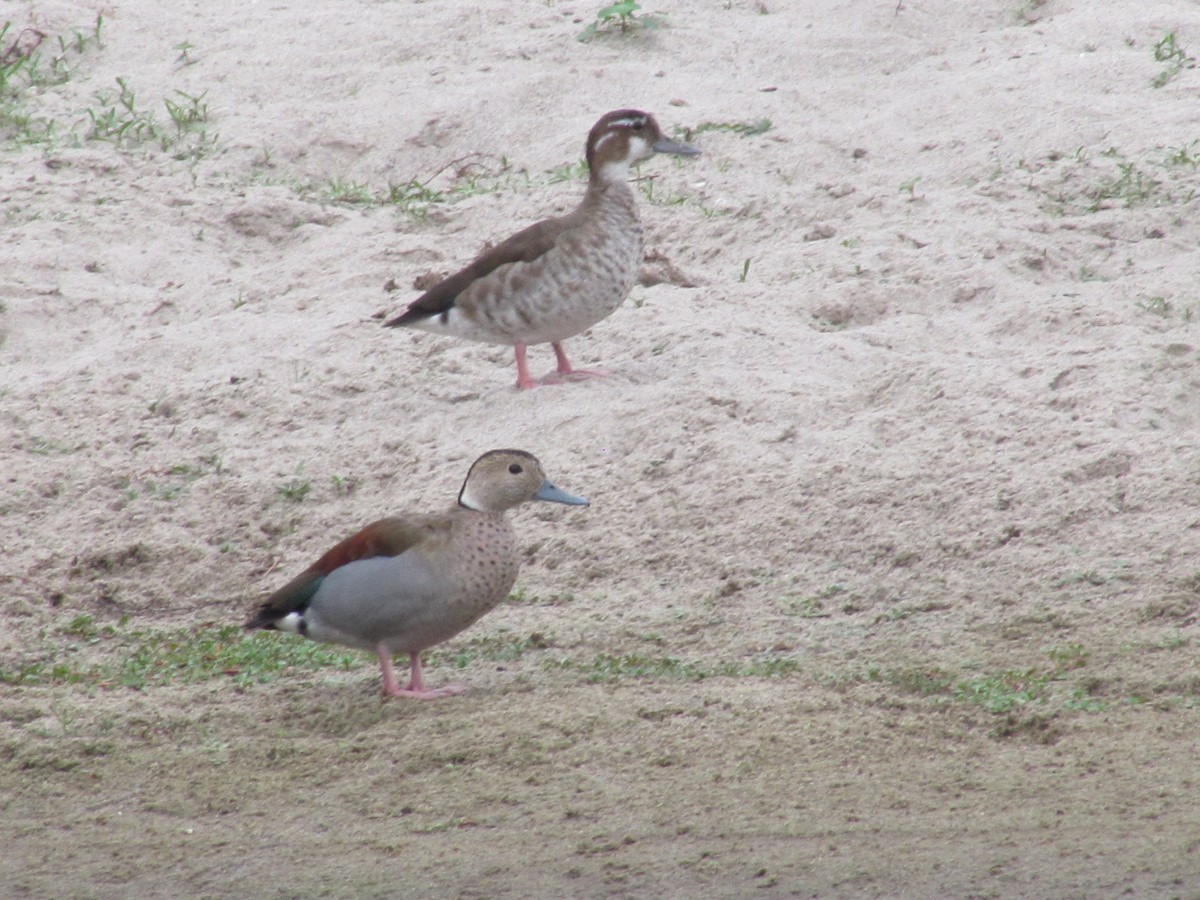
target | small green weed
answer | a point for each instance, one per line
(350, 193)
(925, 681)
(1026, 12)
(119, 120)
(189, 112)
(1157, 306)
(622, 18)
(1184, 155)
(1003, 691)
(743, 129)
(413, 197)
(1172, 55)
(42, 446)
(1177, 640)
(805, 608)
(1068, 656)
(184, 58)
(567, 172)
(172, 482)
(294, 489)
(1131, 185)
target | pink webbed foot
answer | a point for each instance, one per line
(416, 689)
(564, 372)
(411, 693)
(567, 372)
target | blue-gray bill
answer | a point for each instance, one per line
(552, 494)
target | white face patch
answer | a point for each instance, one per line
(639, 147)
(467, 499)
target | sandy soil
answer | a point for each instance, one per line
(889, 586)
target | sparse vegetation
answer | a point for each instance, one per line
(743, 129)
(1173, 57)
(119, 120)
(1084, 182)
(170, 483)
(29, 59)
(416, 197)
(500, 648)
(1002, 691)
(621, 18)
(610, 667)
(1026, 11)
(113, 655)
(294, 489)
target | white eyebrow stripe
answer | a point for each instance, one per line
(629, 122)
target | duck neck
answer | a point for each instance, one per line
(608, 172)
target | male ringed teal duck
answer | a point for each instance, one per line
(560, 276)
(406, 583)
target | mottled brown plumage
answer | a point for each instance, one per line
(560, 276)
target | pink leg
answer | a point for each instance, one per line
(524, 382)
(566, 370)
(416, 687)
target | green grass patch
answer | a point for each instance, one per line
(493, 648)
(116, 656)
(1003, 691)
(607, 667)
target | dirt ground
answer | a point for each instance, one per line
(890, 582)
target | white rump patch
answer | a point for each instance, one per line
(291, 622)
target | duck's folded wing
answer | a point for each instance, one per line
(385, 538)
(403, 599)
(523, 247)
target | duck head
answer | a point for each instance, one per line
(624, 137)
(502, 479)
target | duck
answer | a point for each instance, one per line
(408, 582)
(560, 276)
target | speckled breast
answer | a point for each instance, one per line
(587, 275)
(485, 566)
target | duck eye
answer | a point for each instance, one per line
(515, 469)
(639, 125)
